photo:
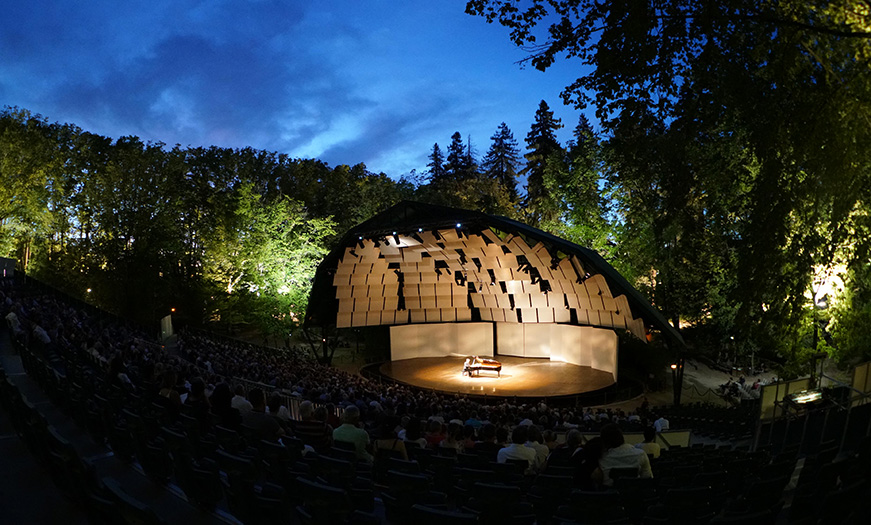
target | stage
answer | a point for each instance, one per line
(521, 377)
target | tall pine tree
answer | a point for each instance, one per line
(461, 160)
(573, 184)
(501, 161)
(436, 165)
(541, 144)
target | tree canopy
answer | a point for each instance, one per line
(735, 134)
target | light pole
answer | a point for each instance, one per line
(677, 379)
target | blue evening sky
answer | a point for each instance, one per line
(370, 81)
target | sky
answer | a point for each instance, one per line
(369, 81)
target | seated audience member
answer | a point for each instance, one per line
(313, 431)
(619, 454)
(331, 417)
(649, 445)
(561, 456)
(487, 442)
(660, 424)
(549, 437)
(239, 402)
(502, 437)
(534, 441)
(454, 437)
(518, 449)
(275, 409)
(473, 421)
(586, 462)
(388, 441)
(168, 396)
(197, 398)
(412, 433)
(263, 425)
(468, 437)
(349, 432)
(434, 433)
(228, 417)
(118, 373)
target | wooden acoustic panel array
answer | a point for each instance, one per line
(440, 276)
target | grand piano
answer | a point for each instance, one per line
(475, 364)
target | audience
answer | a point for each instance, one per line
(180, 382)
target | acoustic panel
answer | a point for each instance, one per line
(509, 339)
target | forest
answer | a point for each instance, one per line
(727, 177)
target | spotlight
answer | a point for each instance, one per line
(360, 242)
(420, 230)
(396, 238)
(459, 225)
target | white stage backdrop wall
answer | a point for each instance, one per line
(577, 345)
(440, 340)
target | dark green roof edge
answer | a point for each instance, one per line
(410, 215)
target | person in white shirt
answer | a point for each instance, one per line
(619, 454)
(660, 424)
(518, 449)
(535, 442)
(240, 402)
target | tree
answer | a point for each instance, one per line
(575, 182)
(456, 164)
(541, 145)
(502, 160)
(759, 113)
(436, 164)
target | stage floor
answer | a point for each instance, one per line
(521, 377)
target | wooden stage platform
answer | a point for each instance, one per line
(521, 377)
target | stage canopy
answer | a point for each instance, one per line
(422, 263)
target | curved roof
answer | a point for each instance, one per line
(419, 262)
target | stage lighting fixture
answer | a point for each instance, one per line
(459, 225)
(360, 242)
(396, 238)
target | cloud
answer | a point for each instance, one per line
(342, 81)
